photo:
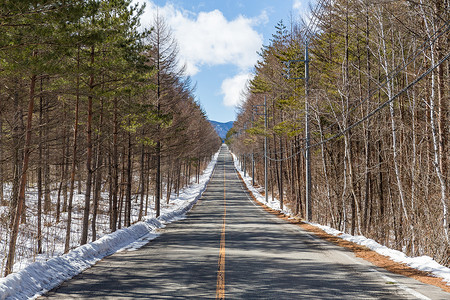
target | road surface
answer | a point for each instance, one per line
(229, 247)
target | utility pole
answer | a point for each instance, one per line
(307, 152)
(265, 150)
(245, 154)
(253, 168)
(253, 161)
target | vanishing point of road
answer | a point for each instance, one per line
(229, 247)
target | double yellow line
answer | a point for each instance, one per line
(220, 287)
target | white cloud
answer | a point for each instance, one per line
(301, 10)
(297, 5)
(263, 18)
(208, 38)
(233, 88)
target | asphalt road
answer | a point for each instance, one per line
(228, 247)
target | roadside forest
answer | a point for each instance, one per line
(98, 123)
(378, 100)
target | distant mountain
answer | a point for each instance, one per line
(222, 128)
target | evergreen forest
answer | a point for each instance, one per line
(98, 123)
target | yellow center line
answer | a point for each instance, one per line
(220, 287)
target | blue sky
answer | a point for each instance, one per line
(219, 41)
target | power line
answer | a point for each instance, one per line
(401, 67)
(380, 107)
(424, 46)
(384, 104)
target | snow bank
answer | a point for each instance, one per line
(274, 204)
(40, 277)
(422, 263)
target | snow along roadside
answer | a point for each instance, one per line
(40, 277)
(422, 263)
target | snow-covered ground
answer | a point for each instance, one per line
(36, 278)
(272, 202)
(423, 263)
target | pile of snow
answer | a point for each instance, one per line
(272, 202)
(422, 263)
(40, 277)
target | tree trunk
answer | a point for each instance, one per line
(47, 199)
(23, 181)
(122, 210)
(389, 88)
(98, 176)
(367, 135)
(325, 172)
(2, 180)
(158, 142)
(142, 183)
(158, 180)
(110, 189)
(97, 190)
(129, 180)
(66, 163)
(18, 130)
(115, 169)
(437, 155)
(74, 159)
(39, 178)
(147, 180)
(63, 167)
(87, 197)
(356, 215)
(281, 191)
(169, 184)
